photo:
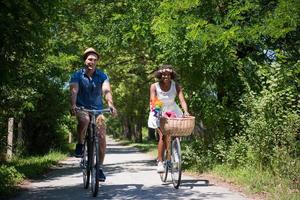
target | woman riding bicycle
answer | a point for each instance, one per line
(165, 92)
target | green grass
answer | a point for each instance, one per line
(256, 181)
(33, 167)
(14, 172)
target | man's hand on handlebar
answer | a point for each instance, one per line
(73, 110)
(114, 111)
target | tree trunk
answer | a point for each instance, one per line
(127, 129)
(138, 132)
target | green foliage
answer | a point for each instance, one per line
(247, 99)
(31, 84)
(272, 127)
(34, 166)
(9, 177)
(259, 181)
(18, 169)
(197, 155)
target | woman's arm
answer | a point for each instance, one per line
(152, 92)
(182, 99)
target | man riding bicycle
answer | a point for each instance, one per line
(87, 87)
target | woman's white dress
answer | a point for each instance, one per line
(169, 104)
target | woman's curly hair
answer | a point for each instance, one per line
(162, 68)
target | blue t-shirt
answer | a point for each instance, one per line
(90, 89)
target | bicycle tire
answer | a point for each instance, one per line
(95, 165)
(164, 175)
(85, 166)
(176, 162)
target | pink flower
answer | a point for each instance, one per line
(170, 114)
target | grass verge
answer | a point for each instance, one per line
(262, 183)
(14, 172)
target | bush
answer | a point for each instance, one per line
(195, 155)
(9, 177)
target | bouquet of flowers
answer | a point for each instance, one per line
(155, 106)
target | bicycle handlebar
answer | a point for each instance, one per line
(94, 111)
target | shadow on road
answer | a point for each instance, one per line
(191, 183)
(124, 150)
(65, 182)
(119, 191)
(138, 191)
(128, 166)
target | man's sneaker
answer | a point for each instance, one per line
(79, 150)
(160, 167)
(101, 176)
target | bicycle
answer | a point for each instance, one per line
(90, 160)
(177, 127)
(172, 164)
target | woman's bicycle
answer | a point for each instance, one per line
(90, 160)
(177, 128)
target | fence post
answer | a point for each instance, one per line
(70, 137)
(10, 138)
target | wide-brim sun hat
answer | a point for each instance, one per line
(88, 51)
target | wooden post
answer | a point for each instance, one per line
(70, 137)
(10, 138)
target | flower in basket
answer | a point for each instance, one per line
(155, 106)
(170, 114)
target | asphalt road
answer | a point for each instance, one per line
(130, 175)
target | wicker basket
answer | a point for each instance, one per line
(178, 126)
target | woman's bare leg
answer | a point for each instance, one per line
(160, 146)
(167, 143)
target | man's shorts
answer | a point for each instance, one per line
(100, 120)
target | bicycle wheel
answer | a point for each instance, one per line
(164, 175)
(85, 165)
(176, 162)
(95, 166)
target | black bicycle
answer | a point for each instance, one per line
(90, 160)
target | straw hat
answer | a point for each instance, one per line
(88, 51)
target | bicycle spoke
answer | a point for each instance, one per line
(176, 163)
(85, 167)
(95, 168)
(164, 175)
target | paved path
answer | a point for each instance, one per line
(130, 175)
